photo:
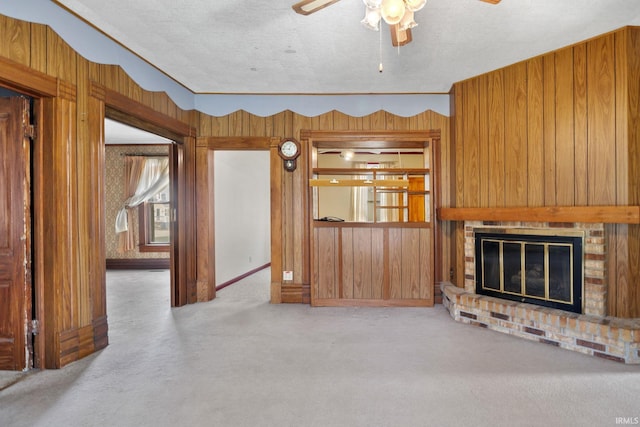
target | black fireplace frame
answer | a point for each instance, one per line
(513, 235)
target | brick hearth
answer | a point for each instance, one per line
(591, 333)
(608, 337)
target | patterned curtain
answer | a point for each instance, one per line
(144, 178)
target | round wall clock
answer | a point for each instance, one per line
(289, 150)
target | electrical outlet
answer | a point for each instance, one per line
(287, 276)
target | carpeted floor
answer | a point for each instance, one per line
(240, 361)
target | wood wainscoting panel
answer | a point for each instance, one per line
(326, 261)
(362, 263)
(373, 266)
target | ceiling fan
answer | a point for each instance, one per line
(398, 14)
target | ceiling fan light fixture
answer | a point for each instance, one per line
(371, 19)
(392, 11)
(400, 37)
(373, 4)
(415, 5)
(407, 21)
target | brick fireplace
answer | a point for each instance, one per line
(589, 330)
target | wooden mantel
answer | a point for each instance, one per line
(591, 214)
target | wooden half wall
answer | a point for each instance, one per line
(561, 129)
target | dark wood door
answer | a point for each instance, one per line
(15, 235)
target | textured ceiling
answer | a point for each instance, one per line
(264, 47)
(118, 133)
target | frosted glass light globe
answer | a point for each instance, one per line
(371, 19)
(415, 5)
(392, 11)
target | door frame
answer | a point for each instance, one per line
(181, 156)
(45, 90)
(205, 196)
(42, 89)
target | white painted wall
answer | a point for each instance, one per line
(242, 212)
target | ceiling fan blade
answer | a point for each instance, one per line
(400, 37)
(307, 7)
(491, 1)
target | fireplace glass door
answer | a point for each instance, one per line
(538, 269)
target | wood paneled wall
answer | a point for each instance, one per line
(560, 129)
(292, 241)
(68, 183)
(75, 96)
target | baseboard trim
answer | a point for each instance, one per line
(139, 264)
(237, 279)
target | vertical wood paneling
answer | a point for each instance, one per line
(15, 41)
(361, 262)
(395, 263)
(394, 122)
(565, 175)
(580, 123)
(38, 48)
(84, 200)
(340, 121)
(348, 270)
(631, 176)
(516, 191)
(324, 121)
(411, 260)
(426, 265)
(535, 133)
(355, 123)
(377, 263)
(483, 142)
(61, 59)
(496, 99)
(601, 120)
(471, 152)
(204, 212)
(626, 88)
(377, 120)
(549, 117)
(96, 244)
(326, 248)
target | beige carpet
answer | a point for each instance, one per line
(239, 361)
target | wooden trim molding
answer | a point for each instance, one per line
(237, 143)
(589, 214)
(139, 264)
(242, 276)
(128, 111)
(27, 80)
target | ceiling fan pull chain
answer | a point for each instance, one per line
(380, 47)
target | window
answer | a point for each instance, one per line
(154, 223)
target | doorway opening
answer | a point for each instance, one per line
(242, 214)
(138, 201)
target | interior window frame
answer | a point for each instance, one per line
(145, 245)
